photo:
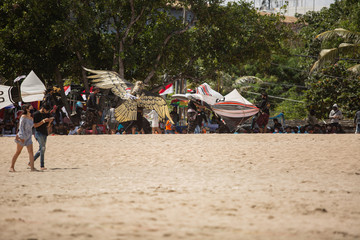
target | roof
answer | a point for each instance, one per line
(288, 19)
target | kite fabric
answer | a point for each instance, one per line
(6, 97)
(133, 99)
(32, 89)
(233, 108)
(19, 78)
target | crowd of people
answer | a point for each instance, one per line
(26, 121)
(89, 118)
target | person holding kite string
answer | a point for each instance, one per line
(24, 137)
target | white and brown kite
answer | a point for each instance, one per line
(133, 95)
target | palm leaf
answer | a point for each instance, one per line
(346, 34)
(355, 69)
(326, 55)
(349, 48)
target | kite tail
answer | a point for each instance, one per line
(167, 114)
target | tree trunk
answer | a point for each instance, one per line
(60, 83)
(83, 73)
(121, 62)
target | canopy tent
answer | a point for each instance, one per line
(233, 108)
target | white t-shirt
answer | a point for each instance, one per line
(153, 115)
(335, 116)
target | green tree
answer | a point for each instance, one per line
(331, 83)
(350, 48)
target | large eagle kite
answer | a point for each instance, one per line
(133, 99)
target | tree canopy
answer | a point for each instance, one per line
(163, 41)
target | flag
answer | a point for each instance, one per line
(168, 89)
(189, 90)
(19, 78)
(67, 90)
(84, 95)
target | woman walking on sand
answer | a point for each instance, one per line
(24, 137)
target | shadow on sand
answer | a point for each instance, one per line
(55, 169)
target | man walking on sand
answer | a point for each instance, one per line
(42, 122)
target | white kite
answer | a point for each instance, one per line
(31, 90)
(233, 108)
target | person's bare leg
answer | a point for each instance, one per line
(16, 155)
(94, 129)
(158, 130)
(31, 157)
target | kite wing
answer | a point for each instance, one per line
(235, 109)
(8, 95)
(127, 111)
(32, 89)
(110, 80)
(156, 103)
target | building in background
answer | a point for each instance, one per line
(293, 7)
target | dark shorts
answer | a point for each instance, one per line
(263, 120)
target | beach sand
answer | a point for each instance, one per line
(207, 186)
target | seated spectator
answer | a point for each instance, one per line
(73, 130)
(311, 119)
(294, 130)
(169, 128)
(317, 129)
(288, 129)
(276, 130)
(277, 125)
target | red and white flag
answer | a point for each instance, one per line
(67, 90)
(168, 89)
(189, 90)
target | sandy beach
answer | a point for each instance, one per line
(206, 186)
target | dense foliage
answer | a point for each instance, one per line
(332, 83)
(158, 42)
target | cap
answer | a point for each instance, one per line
(335, 106)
